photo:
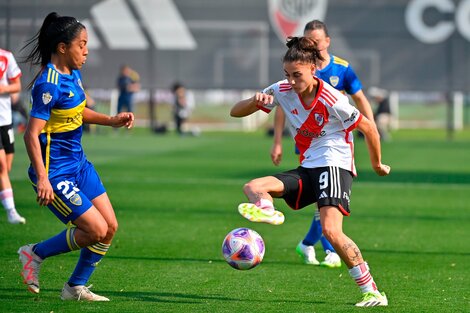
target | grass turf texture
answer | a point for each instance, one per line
(176, 199)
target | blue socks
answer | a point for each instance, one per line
(89, 259)
(60, 243)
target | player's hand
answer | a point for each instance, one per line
(276, 154)
(262, 99)
(125, 119)
(45, 193)
(382, 170)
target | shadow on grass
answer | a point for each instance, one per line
(146, 296)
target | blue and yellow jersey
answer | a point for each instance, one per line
(60, 100)
(340, 75)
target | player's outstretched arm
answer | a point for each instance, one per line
(372, 138)
(251, 105)
(279, 123)
(125, 119)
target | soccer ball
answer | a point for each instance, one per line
(243, 248)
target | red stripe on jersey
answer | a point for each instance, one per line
(330, 95)
(328, 98)
(17, 76)
(263, 108)
(353, 126)
(284, 87)
(309, 129)
(351, 147)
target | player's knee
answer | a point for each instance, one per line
(98, 233)
(251, 187)
(112, 229)
(332, 233)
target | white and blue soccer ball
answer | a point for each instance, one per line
(243, 248)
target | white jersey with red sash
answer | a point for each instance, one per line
(321, 129)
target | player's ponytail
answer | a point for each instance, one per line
(54, 30)
(302, 49)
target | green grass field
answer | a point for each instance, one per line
(176, 199)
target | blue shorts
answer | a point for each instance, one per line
(73, 194)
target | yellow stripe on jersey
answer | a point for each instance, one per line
(48, 152)
(340, 61)
(64, 120)
(52, 76)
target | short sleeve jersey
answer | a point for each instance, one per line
(9, 70)
(60, 100)
(321, 129)
(339, 74)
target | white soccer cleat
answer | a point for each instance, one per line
(332, 260)
(373, 299)
(254, 213)
(14, 217)
(80, 293)
(307, 253)
(31, 265)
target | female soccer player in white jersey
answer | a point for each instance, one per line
(10, 83)
(338, 73)
(320, 120)
(62, 177)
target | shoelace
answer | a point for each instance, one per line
(85, 289)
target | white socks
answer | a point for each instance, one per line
(361, 274)
(6, 196)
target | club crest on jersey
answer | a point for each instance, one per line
(288, 17)
(46, 97)
(319, 119)
(76, 199)
(334, 80)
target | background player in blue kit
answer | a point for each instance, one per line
(339, 74)
(62, 176)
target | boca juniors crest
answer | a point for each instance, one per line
(288, 17)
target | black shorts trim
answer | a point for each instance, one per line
(7, 139)
(326, 186)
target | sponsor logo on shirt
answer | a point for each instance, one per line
(352, 117)
(310, 134)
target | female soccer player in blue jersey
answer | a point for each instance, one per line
(62, 177)
(339, 74)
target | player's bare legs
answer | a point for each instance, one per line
(332, 224)
(6, 191)
(260, 193)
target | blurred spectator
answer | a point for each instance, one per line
(19, 113)
(183, 107)
(128, 83)
(383, 116)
